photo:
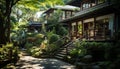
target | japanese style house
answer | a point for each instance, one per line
(34, 26)
(67, 11)
(97, 20)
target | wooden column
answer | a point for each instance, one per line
(90, 3)
(71, 13)
(81, 6)
(94, 27)
(70, 30)
(65, 14)
(82, 28)
(96, 2)
(76, 29)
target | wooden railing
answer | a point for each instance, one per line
(97, 7)
(65, 39)
(71, 45)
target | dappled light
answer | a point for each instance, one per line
(59, 34)
(34, 63)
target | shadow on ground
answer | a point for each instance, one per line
(28, 62)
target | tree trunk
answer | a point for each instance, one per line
(5, 24)
(2, 31)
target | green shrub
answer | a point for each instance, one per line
(38, 42)
(39, 36)
(93, 48)
(9, 51)
(28, 45)
(62, 31)
(35, 51)
(74, 52)
(53, 38)
(59, 43)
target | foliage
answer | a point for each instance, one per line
(34, 44)
(39, 36)
(5, 11)
(8, 52)
(66, 1)
(35, 51)
(43, 4)
(53, 38)
(53, 21)
(62, 31)
(93, 48)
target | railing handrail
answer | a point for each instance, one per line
(60, 39)
(71, 42)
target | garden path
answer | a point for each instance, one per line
(29, 62)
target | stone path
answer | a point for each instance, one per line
(28, 62)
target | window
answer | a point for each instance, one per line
(86, 5)
(68, 13)
(73, 28)
(63, 15)
(88, 30)
(102, 29)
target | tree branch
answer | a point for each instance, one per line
(14, 2)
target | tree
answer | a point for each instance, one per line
(5, 10)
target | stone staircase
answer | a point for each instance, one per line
(64, 50)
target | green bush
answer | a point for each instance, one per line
(62, 31)
(38, 42)
(39, 36)
(74, 52)
(8, 52)
(53, 38)
(35, 51)
(28, 45)
(93, 48)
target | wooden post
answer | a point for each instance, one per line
(77, 29)
(96, 2)
(71, 13)
(70, 32)
(81, 6)
(65, 14)
(94, 27)
(82, 28)
(90, 3)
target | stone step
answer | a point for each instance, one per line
(59, 57)
(61, 53)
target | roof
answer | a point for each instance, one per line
(35, 24)
(101, 8)
(65, 7)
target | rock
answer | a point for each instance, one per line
(87, 58)
(95, 67)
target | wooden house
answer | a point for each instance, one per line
(97, 20)
(64, 12)
(34, 26)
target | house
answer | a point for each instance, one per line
(34, 26)
(97, 20)
(64, 12)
